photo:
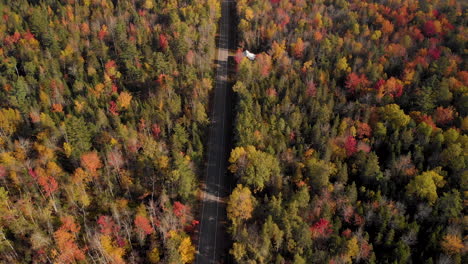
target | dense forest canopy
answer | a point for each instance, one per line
(103, 113)
(350, 133)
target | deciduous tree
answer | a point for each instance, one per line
(240, 205)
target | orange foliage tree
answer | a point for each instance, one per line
(91, 162)
(65, 238)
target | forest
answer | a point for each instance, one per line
(350, 132)
(103, 115)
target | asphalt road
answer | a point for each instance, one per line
(213, 244)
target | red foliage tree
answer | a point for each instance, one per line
(110, 64)
(107, 226)
(321, 228)
(434, 53)
(178, 209)
(113, 108)
(114, 88)
(143, 224)
(239, 56)
(102, 33)
(354, 82)
(350, 146)
(346, 233)
(429, 29)
(16, 36)
(190, 228)
(379, 84)
(292, 135)
(9, 40)
(48, 183)
(3, 172)
(32, 174)
(163, 42)
(271, 92)
(428, 120)
(28, 35)
(311, 89)
(156, 129)
(282, 17)
(358, 219)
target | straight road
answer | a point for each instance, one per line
(213, 241)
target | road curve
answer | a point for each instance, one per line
(213, 240)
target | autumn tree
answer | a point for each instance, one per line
(452, 244)
(142, 223)
(394, 115)
(298, 48)
(425, 185)
(9, 121)
(240, 205)
(124, 100)
(254, 167)
(91, 162)
(181, 248)
(65, 238)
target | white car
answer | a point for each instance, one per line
(249, 55)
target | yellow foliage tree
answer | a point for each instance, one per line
(240, 205)
(342, 65)
(44, 152)
(113, 252)
(149, 4)
(153, 255)
(124, 100)
(376, 35)
(249, 14)
(184, 246)
(186, 250)
(98, 89)
(425, 185)
(80, 176)
(236, 154)
(9, 121)
(67, 149)
(44, 98)
(352, 247)
(53, 169)
(278, 50)
(67, 52)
